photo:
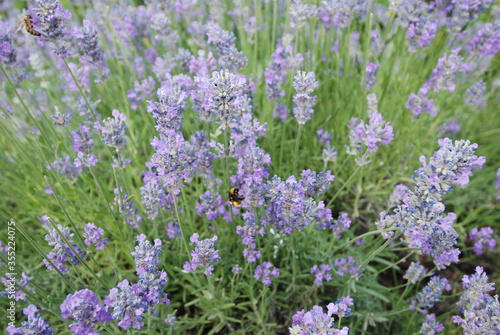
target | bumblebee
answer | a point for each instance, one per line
(28, 26)
(234, 197)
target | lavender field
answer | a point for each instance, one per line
(249, 167)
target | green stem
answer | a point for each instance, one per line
(345, 184)
(183, 233)
(297, 144)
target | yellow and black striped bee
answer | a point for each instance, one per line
(234, 197)
(28, 26)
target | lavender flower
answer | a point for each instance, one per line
(324, 137)
(8, 54)
(315, 321)
(304, 83)
(329, 155)
(430, 294)
(141, 91)
(212, 206)
(61, 252)
(9, 284)
(275, 74)
(82, 145)
(373, 135)
(173, 230)
(170, 320)
(451, 127)
(474, 94)
(127, 209)
(420, 214)
(446, 72)
(92, 54)
(251, 254)
(236, 269)
(420, 103)
(113, 130)
(464, 12)
(34, 325)
(371, 74)
(203, 255)
(349, 266)
(481, 311)
(486, 41)
(316, 184)
(321, 273)
(86, 310)
(342, 224)
(299, 13)
(249, 230)
(93, 235)
(414, 273)
(398, 195)
(342, 12)
(49, 18)
(225, 88)
(229, 57)
(482, 238)
(64, 167)
(264, 273)
(60, 119)
(127, 305)
(431, 326)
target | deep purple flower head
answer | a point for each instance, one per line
(93, 235)
(212, 205)
(321, 273)
(251, 254)
(482, 238)
(34, 325)
(204, 254)
(86, 310)
(486, 41)
(264, 273)
(316, 184)
(229, 57)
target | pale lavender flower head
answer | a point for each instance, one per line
(466, 11)
(141, 91)
(8, 54)
(420, 103)
(415, 272)
(324, 137)
(236, 269)
(342, 224)
(229, 57)
(304, 83)
(430, 294)
(316, 321)
(371, 74)
(92, 54)
(431, 326)
(299, 13)
(93, 235)
(60, 119)
(251, 254)
(486, 41)
(82, 140)
(329, 155)
(86, 310)
(449, 67)
(173, 230)
(398, 195)
(34, 325)
(448, 127)
(316, 184)
(10, 278)
(147, 256)
(275, 74)
(113, 130)
(349, 266)
(480, 310)
(376, 133)
(474, 94)
(61, 252)
(421, 33)
(212, 205)
(321, 273)
(126, 304)
(225, 87)
(482, 238)
(204, 254)
(263, 273)
(64, 167)
(127, 209)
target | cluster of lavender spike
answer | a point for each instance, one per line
(420, 215)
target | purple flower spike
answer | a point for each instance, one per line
(34, 325)
(86, 310)
(264, 273)
(482, 238)
(321, 273)
(93, 235)
(203, 255)
(316, 321)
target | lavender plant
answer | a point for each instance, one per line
(143, 140)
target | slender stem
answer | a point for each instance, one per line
(226, 149)
(297, 144)
(183, 233)
(345, 184)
